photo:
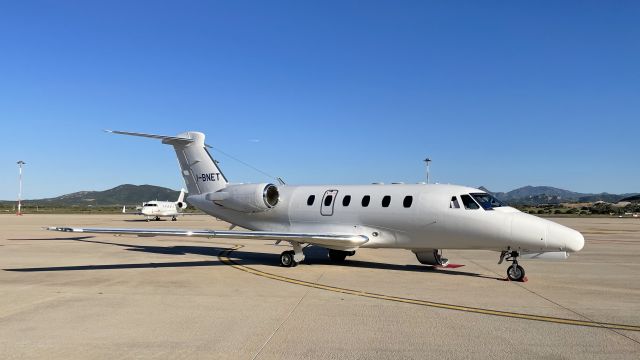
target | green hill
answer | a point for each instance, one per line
(535, 195)
(120, 195)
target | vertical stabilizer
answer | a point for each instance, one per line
(199, 170)
(181, 197)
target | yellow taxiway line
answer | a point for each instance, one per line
(224, 257)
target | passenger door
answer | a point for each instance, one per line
(326, 206)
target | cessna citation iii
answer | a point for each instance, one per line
(157, 209)
(423, 218)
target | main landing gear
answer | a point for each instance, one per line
(515, 272)
(174, 219)
(291, 258)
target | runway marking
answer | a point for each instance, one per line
(224, 257)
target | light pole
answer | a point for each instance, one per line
(427, 161)
(20, 163)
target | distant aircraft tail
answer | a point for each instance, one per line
(181, 197)
(200, 171)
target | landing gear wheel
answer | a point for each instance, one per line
(515, 272)
(287, 260)
(337, 256)
(174, 219)
(157, 218)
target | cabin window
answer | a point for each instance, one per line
(454, 203)
(468, 202)
(311, 199)
(365, 200)
(327, 200)
(408, 200)
(386, 200)
(346, 200)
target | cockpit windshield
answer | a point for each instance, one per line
(487, 201)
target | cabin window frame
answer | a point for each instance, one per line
(366, 200)
(311, 199)
(386, 201)
(346, 200)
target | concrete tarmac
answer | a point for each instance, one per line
(104, 297)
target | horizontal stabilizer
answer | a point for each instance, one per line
(165, 139)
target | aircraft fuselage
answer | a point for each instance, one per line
(408, 216)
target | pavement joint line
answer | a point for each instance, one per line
(224, 258)
(280, 325)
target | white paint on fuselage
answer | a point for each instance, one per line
(430, 222)
(160, 208)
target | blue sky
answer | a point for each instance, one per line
(498, 93)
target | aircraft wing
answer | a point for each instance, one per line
(346, 241)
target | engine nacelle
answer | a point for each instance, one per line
(247, 197)
(431, 257)
(181, 205)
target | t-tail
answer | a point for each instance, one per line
(200, 171)
(181, 197)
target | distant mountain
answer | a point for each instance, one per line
(634, 198)
(120, 195)
(137, 194)
(534, 195)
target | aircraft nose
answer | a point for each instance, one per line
(573, 240)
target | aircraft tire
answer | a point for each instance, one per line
(515, 273)
(286, 259)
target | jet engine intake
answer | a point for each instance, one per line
(247, 198)
(431, 257)
(181, 205)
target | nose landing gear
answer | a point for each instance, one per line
(515, 272)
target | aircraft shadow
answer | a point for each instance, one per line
(316, 256)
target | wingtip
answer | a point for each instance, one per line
(58, 228)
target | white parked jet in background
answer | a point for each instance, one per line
(422, 218)
(156, 209)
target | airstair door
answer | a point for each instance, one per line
(328, 200)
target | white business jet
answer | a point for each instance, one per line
(423, 218)
(156, 209)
